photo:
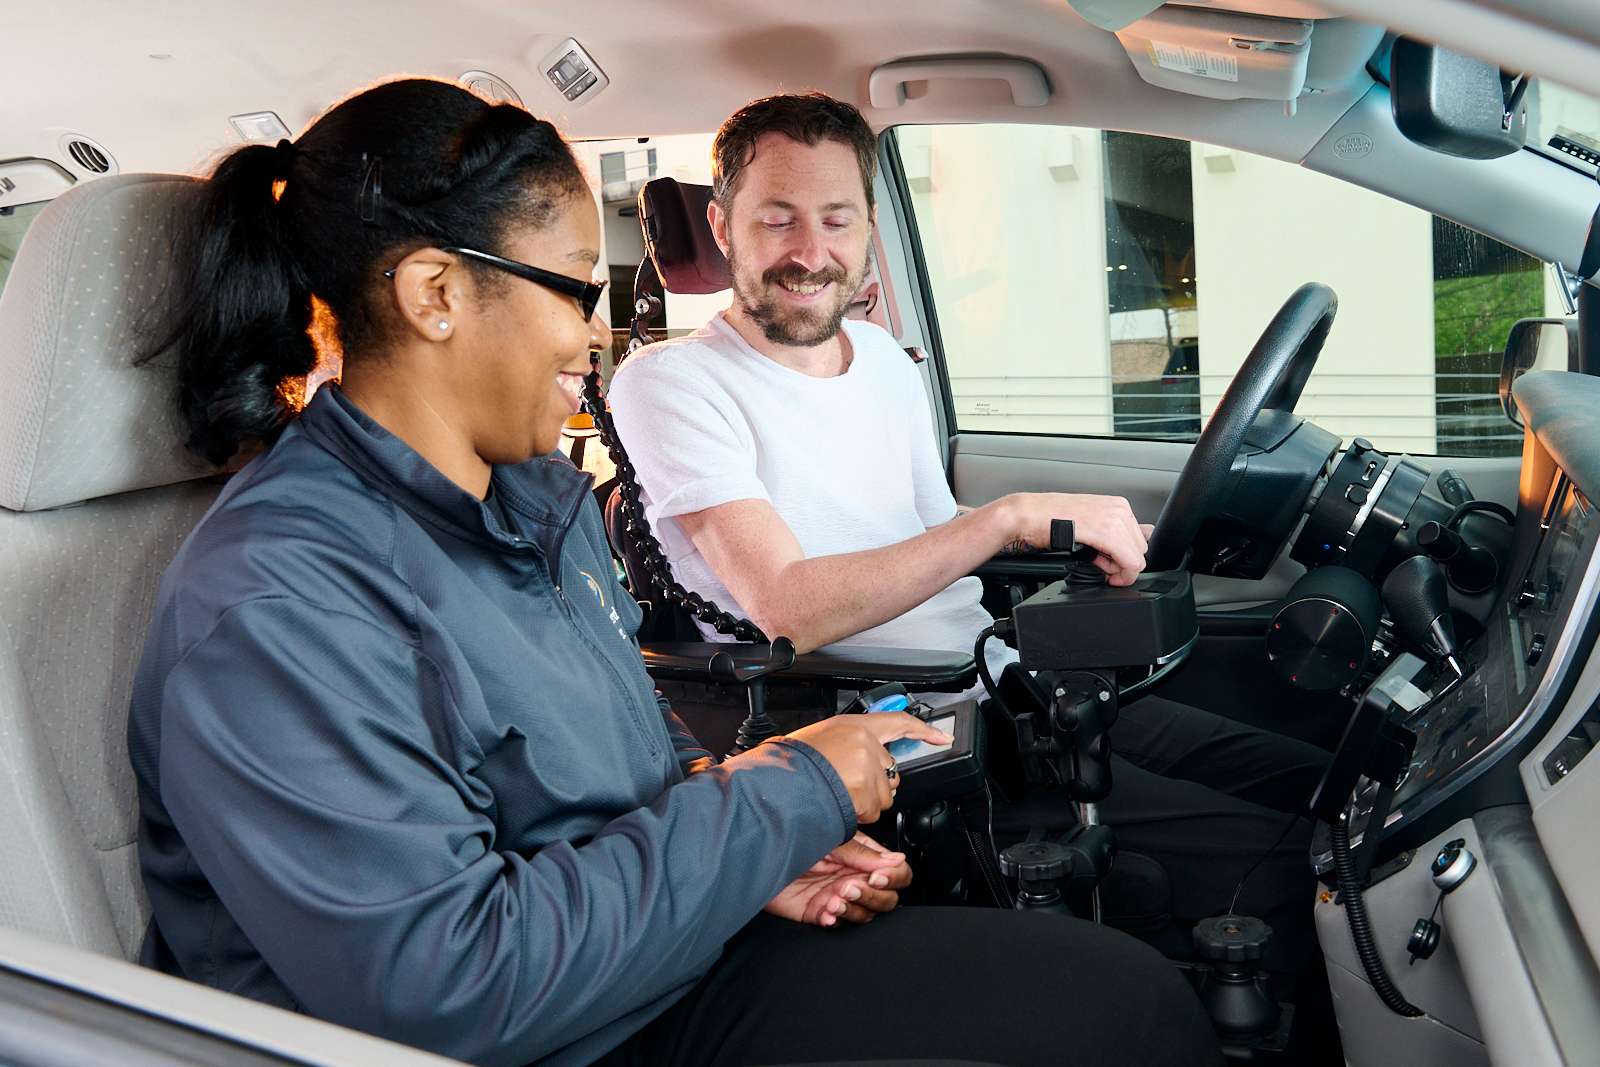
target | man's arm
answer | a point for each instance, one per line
(816, 601)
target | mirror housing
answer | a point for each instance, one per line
(1455, 104)
(1551, 343)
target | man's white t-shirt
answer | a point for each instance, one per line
(848, 462)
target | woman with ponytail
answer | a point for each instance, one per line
(399, 762)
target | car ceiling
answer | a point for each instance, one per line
(155, 81)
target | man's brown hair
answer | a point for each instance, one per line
(808, 118)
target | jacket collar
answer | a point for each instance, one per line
(545, 492)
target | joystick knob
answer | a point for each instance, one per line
(1419, 602)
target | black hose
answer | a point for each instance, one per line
(983, 664)
(976, 841)
(1355, 913)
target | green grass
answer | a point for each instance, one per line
(1473, 315)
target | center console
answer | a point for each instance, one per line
(1462, 726)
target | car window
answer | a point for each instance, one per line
(14, 221)
(1108, 283)
(1565, 124)
(617, 170)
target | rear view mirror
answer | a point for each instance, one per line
(1455, 104)
(1536, 344)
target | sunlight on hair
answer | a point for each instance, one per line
(296, 393)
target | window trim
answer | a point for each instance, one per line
(893, 170)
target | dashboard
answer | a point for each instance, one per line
(1493, 761)
(1470, 731)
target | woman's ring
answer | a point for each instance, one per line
(892, 771)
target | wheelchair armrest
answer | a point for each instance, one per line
(859, 667)
(1035, 566)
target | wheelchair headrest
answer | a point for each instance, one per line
(678, 239)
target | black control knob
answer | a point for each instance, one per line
(1038, 861)
(1232, 938)
(1453, 488)
(1320, 638)
(1234, 989)
(1452, 865)
(1419, 602)
(1038, 867)
(1470, 568)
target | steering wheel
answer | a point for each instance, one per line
(1273, 376)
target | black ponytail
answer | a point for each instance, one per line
(242, 308)
(398, 167)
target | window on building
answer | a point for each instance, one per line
(1096, 282)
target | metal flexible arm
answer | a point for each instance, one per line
(657, 571)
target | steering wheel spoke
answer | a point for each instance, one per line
(1273, 376)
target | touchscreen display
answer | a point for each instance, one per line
(907, 750)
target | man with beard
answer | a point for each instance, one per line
(787, 462)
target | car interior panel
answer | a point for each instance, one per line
(1178, 253)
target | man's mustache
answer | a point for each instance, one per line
(792, 275)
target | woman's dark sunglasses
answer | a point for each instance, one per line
(587, 294)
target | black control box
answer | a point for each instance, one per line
(1072, 625)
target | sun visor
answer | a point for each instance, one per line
(1220, 54)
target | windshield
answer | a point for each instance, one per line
(1564, 123)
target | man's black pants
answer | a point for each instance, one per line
(947, 984)
(1207, 797)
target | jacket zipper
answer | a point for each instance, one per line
(622, 686)
(553, 566)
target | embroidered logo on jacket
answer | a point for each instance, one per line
(600, 595)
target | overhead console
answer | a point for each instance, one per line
(1220, 54)
(1255, 50)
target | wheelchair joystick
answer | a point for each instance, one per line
(757, 727)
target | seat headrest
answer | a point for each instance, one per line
(677, 237)
(78, 419)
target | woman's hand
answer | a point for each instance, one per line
(855, 882)
(854, 745)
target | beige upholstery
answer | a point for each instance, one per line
(95, 498)
(77, 419)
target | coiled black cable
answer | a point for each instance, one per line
(1355, 913)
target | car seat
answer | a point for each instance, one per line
(96, 495)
